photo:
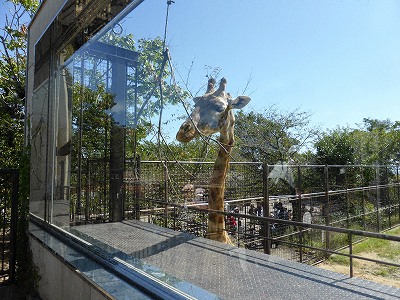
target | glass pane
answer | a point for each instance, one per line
(39, 123)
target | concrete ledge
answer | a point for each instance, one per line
(68, 274)
(59, 280)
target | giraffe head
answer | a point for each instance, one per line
(212, 113)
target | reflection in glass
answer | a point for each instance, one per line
(100, 83)
(39, 123)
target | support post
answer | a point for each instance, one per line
(378, 206)
(388, 196)
(398, 188)
(347, 199)
(87, 192)
(351, 253)
(266, 225)
(166, 195)
(363, 197)
(326, 210)
(137, 186)
(299, 211)
(117, 140)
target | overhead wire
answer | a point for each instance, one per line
(160, 138)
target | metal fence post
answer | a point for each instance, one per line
(363, 197)
(87, 192)
(327, 209)
(388, 196)
(266, 225)
(351, 253)
(301, 244)
(137, 187)
(298, 192)
(398, 188)
(378, 213)
(347, 198)
(299, 210)
(166, 194)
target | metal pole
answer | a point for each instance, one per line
(301, 244)
(327, 208)
(398, 188)
(347, 200)
(266, 225)
(137, 186)
(166, 195)
(299, 200)
(363, 197)
(388, 196)
(106, 210)
(378, 216)
(87, 192)
(299, 212)
(80, 141)
(351, 254)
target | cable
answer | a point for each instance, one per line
(169, 2)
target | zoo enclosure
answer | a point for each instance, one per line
(345, 203)
(358, 196)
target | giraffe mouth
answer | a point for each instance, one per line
(186, 133)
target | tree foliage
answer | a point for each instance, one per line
(335, 148)
(13, 55)
(148, 90)
(273, 136)
(13, 59)
(375, 142)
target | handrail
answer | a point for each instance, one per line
(301, 226)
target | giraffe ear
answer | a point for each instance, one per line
(240, 102)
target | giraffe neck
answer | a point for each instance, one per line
(216, 223)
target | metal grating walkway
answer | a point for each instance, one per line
(230, 272)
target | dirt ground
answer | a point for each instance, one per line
(367, 270)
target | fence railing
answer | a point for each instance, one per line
(9, 186)
(361, 197)
(293, 240)
(175, 194)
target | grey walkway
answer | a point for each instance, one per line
(229, 272)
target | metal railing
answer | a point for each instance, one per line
(296, 240)
(175, 195)
(334, 192)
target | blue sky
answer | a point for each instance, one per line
(339, 60)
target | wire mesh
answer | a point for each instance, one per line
(175, 195)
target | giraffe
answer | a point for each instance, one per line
(213, 113)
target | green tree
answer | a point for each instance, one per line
(13, 54)
(376, 142)
(335, 147)
(379, 141)
(149, 90)
(196, 150)
(273, 136)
